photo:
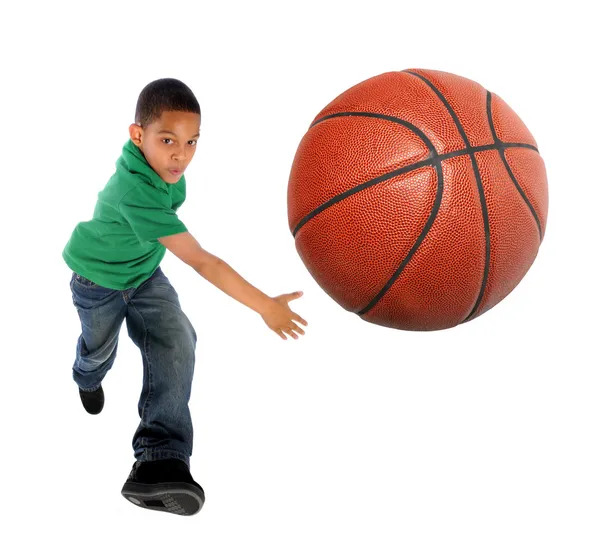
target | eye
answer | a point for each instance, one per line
(167, 140)
(194, 142)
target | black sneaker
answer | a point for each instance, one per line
(164, 485)
(93, 401)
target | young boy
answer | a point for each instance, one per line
(115, 259)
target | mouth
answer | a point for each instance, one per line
(176, 172)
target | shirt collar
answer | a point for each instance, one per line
(136, 164)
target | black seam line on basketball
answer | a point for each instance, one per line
(420, 133)
(381, 116)
(432, 216)
(501, 149)
(485, 148)
(430, 161)
(484, 212)
(449, 108)
(353, 190)
(396, 173)
(432, 152)
(433, 160)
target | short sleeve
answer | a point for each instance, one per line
(148, 211)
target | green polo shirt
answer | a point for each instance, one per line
(119, 248)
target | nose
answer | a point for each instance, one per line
(180, 153)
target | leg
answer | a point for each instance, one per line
(101, 312)
(167, 341)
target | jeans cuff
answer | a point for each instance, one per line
(150, 455)
(86, 390)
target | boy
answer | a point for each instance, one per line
(115, 259)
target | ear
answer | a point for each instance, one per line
(136, 133)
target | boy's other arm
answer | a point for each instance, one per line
(218, 272)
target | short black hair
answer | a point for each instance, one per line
(166, 94)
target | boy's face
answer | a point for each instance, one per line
(169, 143)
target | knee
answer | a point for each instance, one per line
(192, 332)
(179, 336)
(98, 354)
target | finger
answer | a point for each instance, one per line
(291, 332)
(296, 327)
(300, 319)
(294, 295)
(281, 335)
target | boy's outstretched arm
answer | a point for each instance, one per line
(275, 312)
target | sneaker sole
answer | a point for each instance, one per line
(179, 498)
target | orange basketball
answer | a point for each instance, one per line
(418, 200)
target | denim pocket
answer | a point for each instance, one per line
(87, 294)
(82, 281)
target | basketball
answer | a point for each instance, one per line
(417, 200)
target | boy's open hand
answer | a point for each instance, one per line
(279, 316)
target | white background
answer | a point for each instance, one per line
(356, 441)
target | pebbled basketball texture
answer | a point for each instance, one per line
(418, 200)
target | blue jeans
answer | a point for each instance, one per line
(167, 341)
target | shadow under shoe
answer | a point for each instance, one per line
(93, 401)
(164, 485)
